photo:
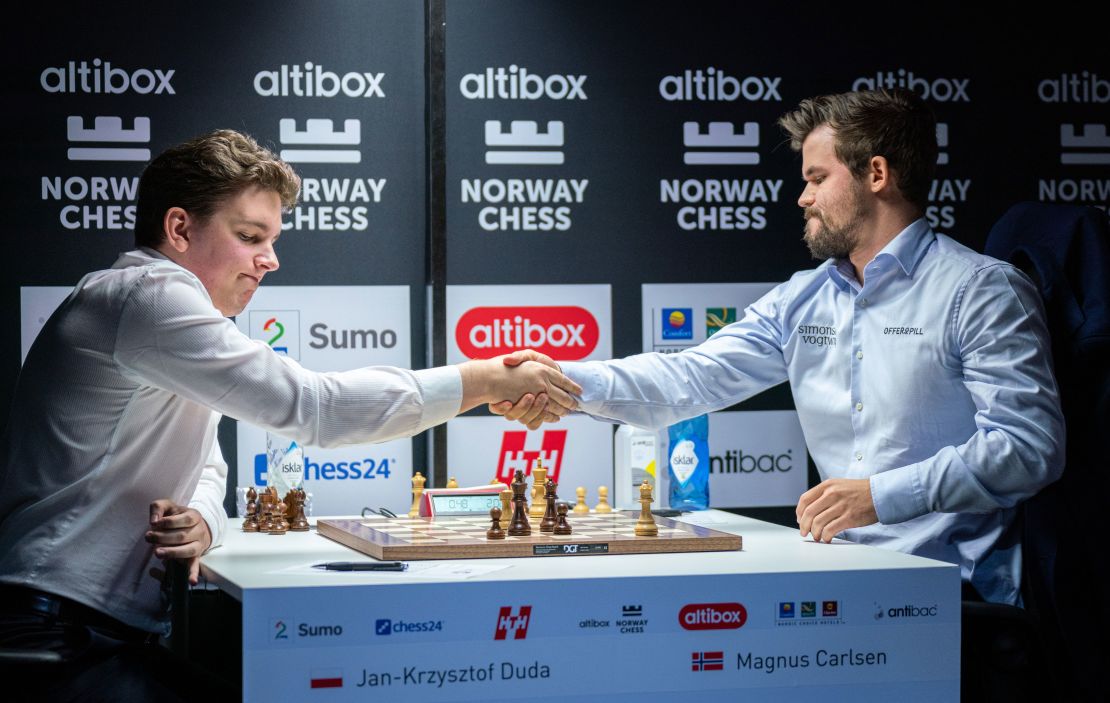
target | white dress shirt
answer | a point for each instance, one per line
(117, 405)
(933, 380)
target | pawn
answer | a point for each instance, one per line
(580, 508)
(280, 525)
(562, 527)
(603, 501)
(452, 483)
(299, 522)
(495, 531)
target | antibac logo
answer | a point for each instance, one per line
(712, 616)
(101, 77)
(707, 661)
(678, 323)
(565, 333)
(516, 624)
(281, 329)
(313, 81)
(513, 454)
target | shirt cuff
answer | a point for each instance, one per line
(442, 390)
(897, 495)
(592, 397)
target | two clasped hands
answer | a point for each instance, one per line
(541, 392)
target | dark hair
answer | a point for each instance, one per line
(894, 124)
(202, 173)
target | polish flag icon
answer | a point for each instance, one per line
(326, 678)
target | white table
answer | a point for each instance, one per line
(863, 623)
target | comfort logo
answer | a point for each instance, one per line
(678, 323)
(712, 616)
(565, 333)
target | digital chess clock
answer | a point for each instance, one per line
(478, 500)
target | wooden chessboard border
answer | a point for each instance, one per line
(464, 538)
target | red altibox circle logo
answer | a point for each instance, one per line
(563, 332)
(712, 616)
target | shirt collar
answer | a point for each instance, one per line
(908, 248)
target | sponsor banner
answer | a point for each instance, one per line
(677, 316)
(36, 305)
(463, 640)
(566, 322)
(577, 451)
(756, 458)
(335, 328)
(1073, 167)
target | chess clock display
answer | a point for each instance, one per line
(441, 502)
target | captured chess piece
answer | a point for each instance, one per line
(418, 481)
(645, 526)
(580, 508)
(519, 526)
(266, 509)
(299, 523)
(495, 531)
(549, 519)
(506, 507)
(250, 522)
(562, 527)
(539, 481)
(280, 525)
(452, 483)
(603, 501)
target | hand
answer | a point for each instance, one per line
(835, 505)
(530, 410)
(178, 532)
(496, 380)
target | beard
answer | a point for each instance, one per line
(836, 240)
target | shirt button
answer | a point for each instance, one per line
(859, 456)
(859, 354)
(863, 302)
(859, 407)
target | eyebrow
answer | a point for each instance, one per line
(810, 171)
(252, 223)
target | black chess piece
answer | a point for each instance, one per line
(562, 527)
(519, 526)
(548, 522)
(495, 531)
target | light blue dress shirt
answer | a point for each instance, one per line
(933, 379)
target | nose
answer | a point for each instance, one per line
(806, 198)
(268, 260)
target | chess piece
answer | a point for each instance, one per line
(539, 481)
(645, 526)
(580, 508)
(299, 522)
(280, 525)
(603, 501)
(561, 525)
(452, 483)
(506, 507)
(250, 522)
(495, 531)
(266, 508)
(417, 492)
(519, 526)
(549, 519)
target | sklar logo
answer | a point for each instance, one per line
(565, 333)
(941, 89)
(514, 456)
(712, 616)
(313, 81)
(518, 84)
(516, 624)
(101, 77)
(715, 84)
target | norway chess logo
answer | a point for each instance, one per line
(516, 624)
(107, 129)
(514, 455)
(707, 661)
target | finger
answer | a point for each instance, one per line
(500, 408)
(548, 417)
(834, 528)
(156, 574)
(805, 499)
(185, 551)
(517, 358)
(178, 521)
(537, 410)
(521, 407)
(159, 508)
(567, 385)
(194, 571)
(821, 525)
(561, 398)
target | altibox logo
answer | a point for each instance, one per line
(518, 84)
(712, 616)
(313, 81)
(101, 77)
(514, 456)
(565, 333)
(516, 624)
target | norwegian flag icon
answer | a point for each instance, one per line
(707, 661)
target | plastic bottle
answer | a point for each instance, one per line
(635, 454)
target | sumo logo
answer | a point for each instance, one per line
(563, 332)
(514, 455)
(712, 616)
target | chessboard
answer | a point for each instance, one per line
(464, 537)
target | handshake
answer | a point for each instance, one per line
(525, 386)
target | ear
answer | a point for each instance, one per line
(175, 225)
(879, 177)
